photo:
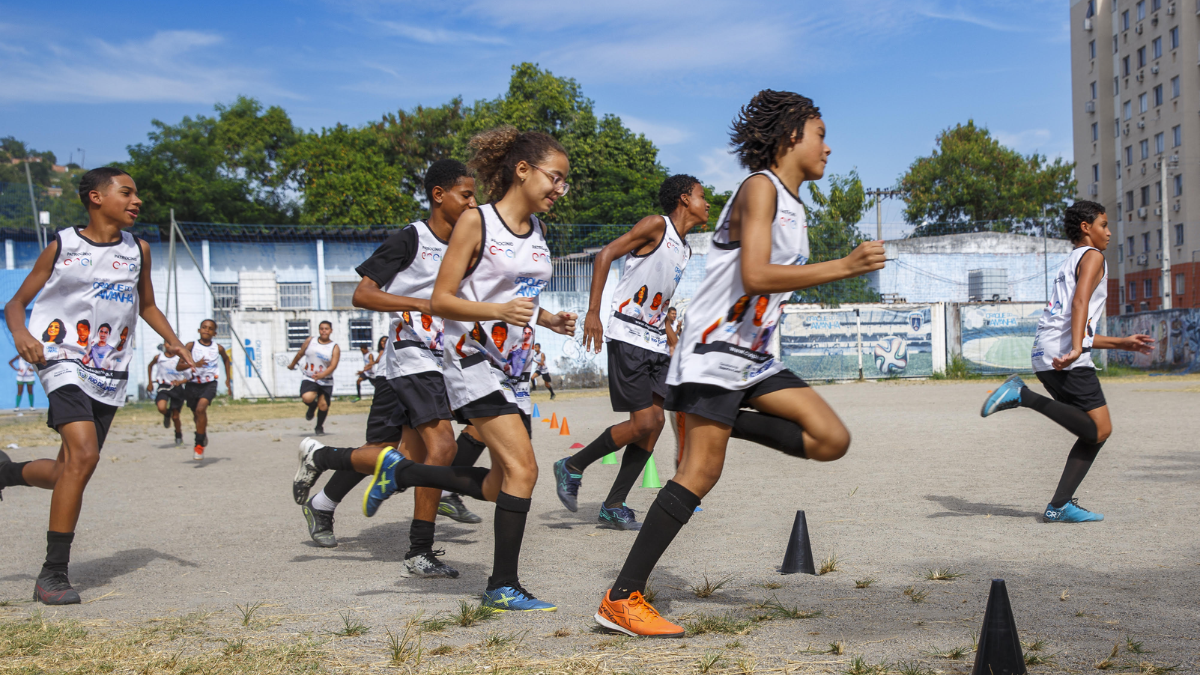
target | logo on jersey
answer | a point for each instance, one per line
(540, 257)
(118, 264)
(431, 255)
(113, 292)
(496, 250)
(529, 287)
(80, 260)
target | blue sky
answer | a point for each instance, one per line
(887, 75)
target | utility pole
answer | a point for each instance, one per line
(82, 158)
(879, 194)
(33, 209)
(1166, 234)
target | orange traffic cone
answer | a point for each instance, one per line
(553, 420)
(564, 431)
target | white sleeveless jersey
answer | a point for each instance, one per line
(643, 295)
(209, 372)
(90, 299)
(1053, 337)
(487, 356)
(415, 339)
(165, 371)
(369, 367)
(727, 335)
(25, 371)
(317, 358)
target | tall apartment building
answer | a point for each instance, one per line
(1135, 94)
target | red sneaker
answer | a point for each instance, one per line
(198, 454)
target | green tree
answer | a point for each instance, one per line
(347, 180)
(972, 183)
(40, 163)
(415, 139)
(832, 234)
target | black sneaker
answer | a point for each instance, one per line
(320, 526)
(427, 566)
(4, 459)
(319, 431)
(453, 508)
(178, 440)
(54, 589)
(312, 412)
(551, 396)
(167, 420)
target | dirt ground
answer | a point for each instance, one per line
(927, 485)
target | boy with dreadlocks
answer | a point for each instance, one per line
(722, 363)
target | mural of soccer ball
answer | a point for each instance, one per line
(891, 355)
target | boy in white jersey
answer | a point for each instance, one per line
(410, 401)
(540, 369)
(1062, 358)
(165, 374)
(368, 370)
(638, 353)
(721, 364)
(201, 389)
(321, 358)
(25, 375)
(99, 274)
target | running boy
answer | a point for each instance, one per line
(25, 375)
(496, 265)
(1062, 358)
(112, 289)
(638, 355)
(759, 249)
(164, 373)
(320, 360)
(540, 368)
(201, 389)
(368, 370)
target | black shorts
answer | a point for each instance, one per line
(172, 395)
(326, 390)
(193, 392)
(492, 405)
(635, 376)
(422, 398)
(1078, 387)
(70, 404)
(722, 405)
(545, 377)
(382, 427)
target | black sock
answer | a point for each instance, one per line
(334, 459)
(465, 480)
(769, 431)
(1068, 417)
(672, 509)
(468, 452)
(58, 552)
(632, 463)
(549, 389)
(10, 474)
(321, 415)
(603, 445)
(342, 483)
(420, 538)
(1078, 462)
(358, 388)
(509, 525)
(202, 440)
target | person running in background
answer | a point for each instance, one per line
(1062, 358)
(201, 388)
(163, 373)
(368, 368)
(320, 360)
(540, 369)
(656, 254)
(25, 375)
(82, 400)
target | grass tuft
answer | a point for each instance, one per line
(247, 611)
(233, 647)
(709, 661)
(436, 623)
(650, 593)
(913, 668)
(836, 648)
(709, 587)
(441, 650)
(941, 574)
(1148, 668)
(1134, 646)
(724, 624)
(470, 615)
(829, 564)
(952, 654)
(561, 632)
(351, 626)
(915, 595)
(405, 648)
(865, 582)
(777, 610)
(1036, 659)
(771, 585)
(858, 666)
(1036, 645)
(498, 640)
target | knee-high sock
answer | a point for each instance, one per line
(321, 415)
(358, 388)
(58, 552)
(465, 480)
(10, 474)
(341, 484)
(1078, 462)
(603, 445)
(509, 525)
(773, 432)
(468, 451)
(1068, 417)
(672, 509)
(334, 459)
(420, 538)
(632, 462)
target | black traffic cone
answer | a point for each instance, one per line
(999, 650)
(799, 557)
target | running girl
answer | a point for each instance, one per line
(320, 360)
(164, 373)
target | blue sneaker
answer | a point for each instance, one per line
(1071, 512)
(567, 485)
(1006, 397)
(513, 598)
(383, 482)
(620, 518)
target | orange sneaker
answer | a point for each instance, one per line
(634, 616)
(198, 453)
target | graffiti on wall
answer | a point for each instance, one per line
(1176, 333)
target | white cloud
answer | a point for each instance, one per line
(660, 134)
(721, 169)
(437, 36)
(961, 15)
(1026, 141)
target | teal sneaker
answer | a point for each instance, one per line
(567, 485)
(1071, 512)
(1006, 397)
(620, 518)
(383, 481)
(513, 598)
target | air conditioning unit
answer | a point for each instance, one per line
(1176, 208)
(1087, 24)
(1141, 124)
(1158, 210)
(1141, 259)
(1158, 256)
(1090, 106)
(1094, 189)
(1154, 20)
(1141, 76)
(1138, 29)
(1141, 212)
(1170, 10)
(1154, 70)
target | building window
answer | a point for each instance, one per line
(1130, 248)
(1179, 235)
(1095, 131)
(1179, 284)
(360, 333)
(343, 294)
(1156, 47)
(1160, 242)
(1158, 98)
(1158, 191)
(1128, 110)
(1174, 37)
(1141, 10)
(1117, 134)
(1143, 103)
(1176, 136)
(1141, 54)
(1093, 91)
(1129, 206)
(1132, 291)
(1175, 87)
(1155, 5)
(1178, 179)
(1159, 143)
(1116, 47)
(1145, 242)
(1095, 173)
(1120, 252)
(1125, 20)
(295, 295)
(1144, 145)
(1125, 66)
(1129, 157)
(225, 298)
(297, 332)
(1148, 288)
(1145, 195)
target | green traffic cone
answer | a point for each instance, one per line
(650, 475)
(610, 458)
